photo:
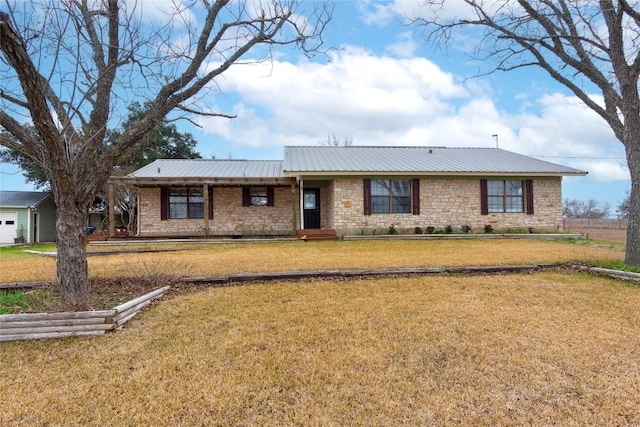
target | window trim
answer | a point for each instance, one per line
(246, 195)
(414, 197)
(165, 193)
(527, 197)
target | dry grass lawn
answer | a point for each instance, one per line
(548, 348)
(212, 260)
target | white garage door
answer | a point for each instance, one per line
(8, 226)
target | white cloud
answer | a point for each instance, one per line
(352, 94)
(405, 47)
(381, 14)
(379, 100)
(564, 130)
(602, 170)
(164, 12)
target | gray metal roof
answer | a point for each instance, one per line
(201, 168)
(424, 160)
(18, 199)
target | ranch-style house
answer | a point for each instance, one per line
(350, 190)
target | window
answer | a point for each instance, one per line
(186, 203)
(257, 196)
(391, 196)
(506, 196)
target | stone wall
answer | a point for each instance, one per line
(451, 201)
(229, 216)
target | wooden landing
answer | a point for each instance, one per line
(310, 234)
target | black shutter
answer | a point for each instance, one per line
(484, 197)
(210, 198)
(270, 196)
(246, 196)
(415, 196)
(366, 185)
(528, 194)
(164, 203)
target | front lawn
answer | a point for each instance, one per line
(547, 348)
(211, 260)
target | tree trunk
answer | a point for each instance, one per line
(73, 272)
(632, 256)
(631, 140)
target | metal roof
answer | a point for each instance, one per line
(423, 160)
(202, 168)
(19, 199)
(354, 160)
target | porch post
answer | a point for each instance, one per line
(112, 219)
(301, 204)
(205, 193)
(294, 221)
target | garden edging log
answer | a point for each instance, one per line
(26, 326)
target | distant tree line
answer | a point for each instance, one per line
(593, 209)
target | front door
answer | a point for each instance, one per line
(311, 204)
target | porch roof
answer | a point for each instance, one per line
(203, 171)
(415, 160)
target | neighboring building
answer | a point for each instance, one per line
(352, 190)
(30, 214)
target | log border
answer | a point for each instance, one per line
(29, 326)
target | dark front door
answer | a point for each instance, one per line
(311, 205)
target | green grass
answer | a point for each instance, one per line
(19, 251)
(13, 302)
(615, 265)
(20, 302)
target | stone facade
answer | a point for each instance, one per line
(450, 201)
(444, 201)
(230, 218)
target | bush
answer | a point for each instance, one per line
(448, 230)
(466, 229)
(417, 230)
(430, 230)
(392, 229)
(488, 228)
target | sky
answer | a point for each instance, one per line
(380, 83)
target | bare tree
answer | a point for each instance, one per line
(623, 207)
(70, 67)
(590, 209)
(582, 44)
(334, 141)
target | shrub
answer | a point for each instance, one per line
(488, 228)
(392, 229)
(466, 229)
(430, 230)
(448, 230)
(417, 230)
